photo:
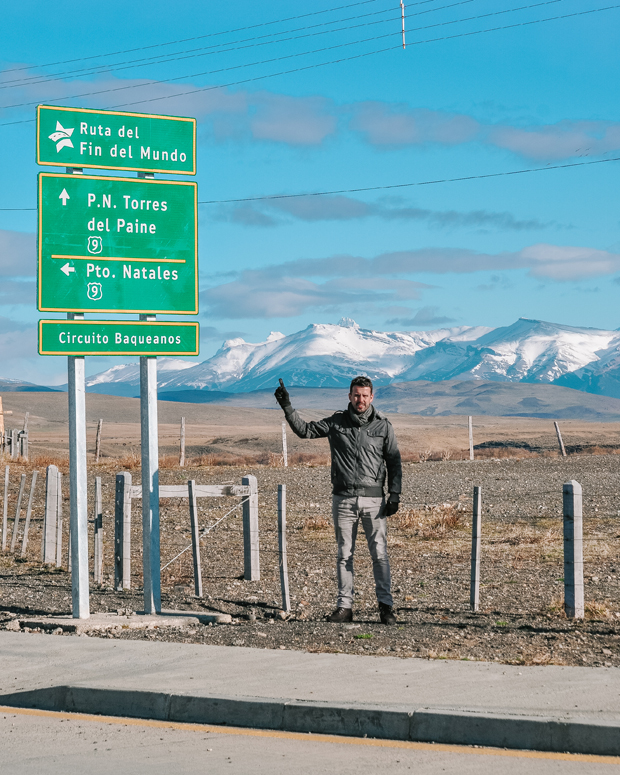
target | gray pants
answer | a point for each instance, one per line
(347, 513)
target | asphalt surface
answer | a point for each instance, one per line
(58, 744)
(321, 693)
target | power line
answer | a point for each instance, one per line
(202, 37)
(483, 176)
(410, 185)
(306, 67)
(208, 50)
(295, 55)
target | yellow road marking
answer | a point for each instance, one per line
(270, 733)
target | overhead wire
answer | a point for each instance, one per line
(298, 69)
(363, 189)
(35, 80)
(201, 37)
(307, 53)
(207, 50)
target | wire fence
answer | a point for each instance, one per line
(429, 538)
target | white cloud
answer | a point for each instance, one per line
(18, 254)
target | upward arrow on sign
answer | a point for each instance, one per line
(64, 196)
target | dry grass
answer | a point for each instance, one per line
(595, 610)
(431, 522)
(316, 523)
(308, 459)
(522, 533)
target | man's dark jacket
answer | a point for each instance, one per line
(361, 454)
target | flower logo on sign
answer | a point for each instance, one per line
(94, 291)
(95, 244)
(62, 137)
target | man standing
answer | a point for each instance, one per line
(363, 449)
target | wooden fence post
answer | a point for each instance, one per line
(5, 506)
(251, 560)
(59, 528)
(122, 532)
(182, 444)
(470, 427)
(98, 441)
(286, 600)
(29, 513)
(284, 447)
(22, 486)
(14, 434)
(476, 532)
(98, 534)
(48, 549)
(560, 442)
(193, 516)
(573, 550)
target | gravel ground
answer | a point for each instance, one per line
(520, 621)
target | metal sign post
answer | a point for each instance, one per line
(78, 523)
(150, 483)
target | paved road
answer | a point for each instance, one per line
(57, 744)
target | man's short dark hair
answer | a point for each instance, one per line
(361, 382)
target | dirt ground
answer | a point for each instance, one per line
(520, 621)
(222, 433)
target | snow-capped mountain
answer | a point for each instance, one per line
(325, 355)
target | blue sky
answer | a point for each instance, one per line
(457, 102)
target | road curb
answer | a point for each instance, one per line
(457, 726)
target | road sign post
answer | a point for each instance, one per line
(78, 520)
(109, 244)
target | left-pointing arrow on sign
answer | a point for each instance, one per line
(67, 269)
(64, 196)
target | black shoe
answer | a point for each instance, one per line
(341, 615)
(386, 613)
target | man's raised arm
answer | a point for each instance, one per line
(305, 430)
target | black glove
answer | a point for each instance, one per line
(282, 396)
(391, 507)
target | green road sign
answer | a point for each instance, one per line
(117, 337)
(107, 139)
(117, 245)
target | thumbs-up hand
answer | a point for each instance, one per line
(282, 396)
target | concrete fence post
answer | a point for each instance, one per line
(122, 532)
(251, 560)
(59, 528)
(29, 513)
(5, 506)
(283, 561)
(476, 543)
(22, 486)
(193, 516)
(23, 444)
(573, 550)
(284, 447)
(51, 515)
(14, 437)
(98, 534)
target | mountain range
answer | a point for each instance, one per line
(327, 356)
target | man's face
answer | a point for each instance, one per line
(361, 398)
